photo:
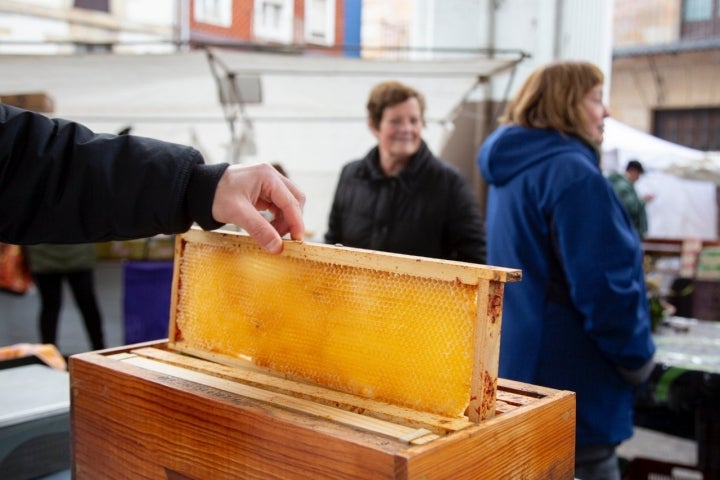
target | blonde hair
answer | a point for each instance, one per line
(388, 94)
(551, 98)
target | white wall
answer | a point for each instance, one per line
(546, 29)
(51, 26)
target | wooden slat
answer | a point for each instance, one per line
(129, 422)
(445, 270)
(530, 442)
(526, 389)
(485, 353)
(400, 432)
(251, 375)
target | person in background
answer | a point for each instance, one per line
(401, 198)
(624, 186)
(62, 183)
(50, 265)
(579, 319)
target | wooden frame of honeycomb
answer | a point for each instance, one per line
(416, 333)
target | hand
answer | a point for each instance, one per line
(244, 191)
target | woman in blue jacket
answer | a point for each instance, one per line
(579, 319)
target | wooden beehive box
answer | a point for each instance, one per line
(323, 362)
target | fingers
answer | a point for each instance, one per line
(290, 210)
(245, 190)
(262, 231)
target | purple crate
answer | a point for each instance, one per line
(146, 300)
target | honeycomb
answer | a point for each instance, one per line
(394, 337)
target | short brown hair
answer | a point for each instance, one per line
(388, 94)
(551, 97)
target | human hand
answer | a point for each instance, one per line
(245, 190)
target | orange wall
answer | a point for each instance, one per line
(241, 27)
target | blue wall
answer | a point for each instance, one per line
(353, 22)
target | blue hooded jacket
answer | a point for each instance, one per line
(579, 318)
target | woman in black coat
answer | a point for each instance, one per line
(400, 198)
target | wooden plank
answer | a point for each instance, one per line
(175, 292)
(525, 389)
(445, 270)
(373, 425)
(253, 376)
(533, 441)
(485, 354)
(129, 422)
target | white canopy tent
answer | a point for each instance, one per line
(685, 198)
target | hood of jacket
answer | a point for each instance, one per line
(511, 149)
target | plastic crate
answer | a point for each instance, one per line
(146, 300)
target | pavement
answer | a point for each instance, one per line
(18, 324)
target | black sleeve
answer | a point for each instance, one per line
(62, 183)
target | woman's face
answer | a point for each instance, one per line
(595, 112)
(399, 132)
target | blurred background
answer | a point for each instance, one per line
(286, 81)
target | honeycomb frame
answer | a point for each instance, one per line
(298, 314)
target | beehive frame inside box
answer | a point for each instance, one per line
(156, 410)
(410, 331)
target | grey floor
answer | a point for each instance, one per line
(18, 323)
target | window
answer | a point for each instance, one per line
(693, 127)
(273, 20)
(99, 5)
(84, 48)
(214, 12)
(697, 10)
(700, 19)
(320, 21)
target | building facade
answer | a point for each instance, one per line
(665, 69)
(316, 23)
(162, 26)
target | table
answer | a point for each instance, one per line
(690, 344)
(682, 396)
(34, 421)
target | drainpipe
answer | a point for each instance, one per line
(482, 131)
(557, 39)
(489, 121)
(183, 25)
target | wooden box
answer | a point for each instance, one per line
(197, 407)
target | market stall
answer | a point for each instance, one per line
(682, 396)
(682, 180)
